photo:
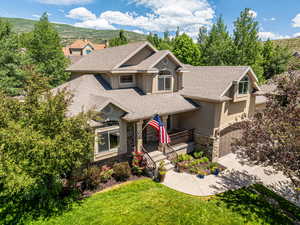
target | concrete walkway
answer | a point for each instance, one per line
(236, 175)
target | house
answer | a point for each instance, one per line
(130, 84)
(81, 48)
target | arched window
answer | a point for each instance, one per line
(244, 85)
(164, 80)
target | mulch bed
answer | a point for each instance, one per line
(110, 183)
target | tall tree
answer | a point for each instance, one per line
(120, 40)
(276, 59)
(247, 46)
(272, 137)
(40, 147)
(12, 75)
(202, 35)
(45, 51)
(217, 45)
(186, 50)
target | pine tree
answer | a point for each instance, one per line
(120, 40)
(276, 59)
(217, 45)
(186, 50)
(45, 51)
(202, 35)
(12, 75)
(247, 46)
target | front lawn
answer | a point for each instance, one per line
(147, 202)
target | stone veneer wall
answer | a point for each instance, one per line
(112, 160)
(210, 145)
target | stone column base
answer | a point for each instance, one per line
(209, 145)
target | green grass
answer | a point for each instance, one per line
(147, 202)
(70, 33)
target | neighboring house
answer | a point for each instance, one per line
(129, 84)
(81, 48)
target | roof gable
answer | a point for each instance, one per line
(107, 59)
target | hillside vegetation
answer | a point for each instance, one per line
(292, 43)
(70, 33)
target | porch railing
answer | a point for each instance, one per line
(171, 154)
(150, 164)
(182, 136)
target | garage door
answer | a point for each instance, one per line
(227, 137)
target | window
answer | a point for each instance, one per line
(244, 85)
(88, 51)
(108, 140)
(126, 79)
(164, 80)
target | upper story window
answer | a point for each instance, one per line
(164, 80)
(88, 51)
(244, 85)
(126, 79)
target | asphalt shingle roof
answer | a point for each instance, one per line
(210, 82)
(106, 59)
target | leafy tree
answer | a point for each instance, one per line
(45, 51)
(186, 50)
(272, 137)
(202, 35)
(40, 147)
(276, 59)
(217, 45)
(121, 40)
(247, 46)
(12, 75)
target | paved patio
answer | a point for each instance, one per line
(237, 175)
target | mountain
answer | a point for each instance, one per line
(292, 43)
(70, 33)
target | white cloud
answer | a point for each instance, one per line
(65, 2)
(296, 21)
(189, 15)
(138, 31)
(98, 23)
(81, 13)
(296, 35)
(252, 13)
(273, 19)
(270, 35)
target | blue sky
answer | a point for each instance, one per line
(277, 18)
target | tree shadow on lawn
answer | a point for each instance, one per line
(254, 201)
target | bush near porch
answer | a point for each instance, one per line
(195, 163)
(147, 202)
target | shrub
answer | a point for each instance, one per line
(204, 160)
(184, 157)
(122, 171)
(106, 174)
(92, 177)
(198, 155)
(138, 164)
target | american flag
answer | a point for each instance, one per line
(158, 125)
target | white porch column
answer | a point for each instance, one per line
(139, 135)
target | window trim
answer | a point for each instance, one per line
(164, 77)
(245, 80)
(127, 83)
(106, 130)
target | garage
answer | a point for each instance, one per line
(227, 137)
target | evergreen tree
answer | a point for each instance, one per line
(202, 35)
(247, 46)
(11, 61)
(120, 40)
(276, 59)
(217, 45)
(45, 51)
(186, 50)
(177, 33)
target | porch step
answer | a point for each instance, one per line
(158, 156)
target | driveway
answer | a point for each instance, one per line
(237, 175)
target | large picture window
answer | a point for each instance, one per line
(164, 80)
(244, 85)
(108, 140)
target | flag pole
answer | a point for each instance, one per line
(147, 123)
